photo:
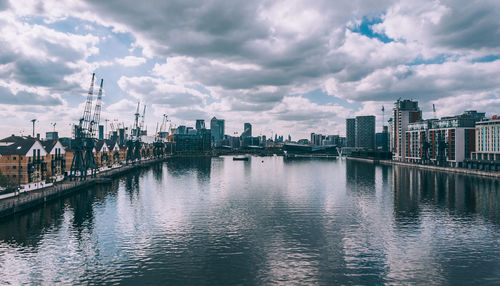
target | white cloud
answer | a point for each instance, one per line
(242, 60)
(131, 61)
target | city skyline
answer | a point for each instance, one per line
(285, 67)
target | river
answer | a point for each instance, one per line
(215, 221)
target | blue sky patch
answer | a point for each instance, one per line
(365, 28)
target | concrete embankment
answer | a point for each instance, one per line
(27, 200)
(444, 169)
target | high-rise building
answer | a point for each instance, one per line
(404, 112)
(317, 139)
(217, 130)
(365, 132)
(181, 129)
(382, 139)
(101, 132)
(247, 130)
(200, 124)
(350, 132)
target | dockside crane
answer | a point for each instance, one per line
(159, 144)
(84, 142)
(134, 143)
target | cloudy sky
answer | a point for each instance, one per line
(288, 67)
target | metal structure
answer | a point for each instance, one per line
(84, 142)
(159, 144)
(33, 121)
(134, 143)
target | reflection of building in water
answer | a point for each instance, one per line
(405, 196)
(360, 176)
(180, 166)
(456, 193)
(28, 228)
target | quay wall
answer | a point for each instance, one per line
(444, 169)
(26, 200)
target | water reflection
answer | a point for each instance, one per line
(264, 221)
(455, 193)
(360, 176)
(26, 228)
(200, 166)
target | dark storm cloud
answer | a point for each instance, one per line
(34, 72)
(249, 32)
(4, 4)
(429, 82)
(27, 98)
(188, 27)
(234, 31)
(470, 25)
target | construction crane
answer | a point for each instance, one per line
(134, 143)
(94, 124)
(84, 142)
(383, 116)
(136, 127)
(85, 120)
(159, 144)
(142, 119)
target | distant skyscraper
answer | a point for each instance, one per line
(350, 132)
(247, 130)
(200, 124)
(51, 136)
(101, 132)
(181, 129)
(404, 112)
(365, 132)
(217, 130)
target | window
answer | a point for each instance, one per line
(14, 158)
(14, 167)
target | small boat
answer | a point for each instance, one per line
(240, 158)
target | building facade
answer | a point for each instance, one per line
(404, 113)
(247, 130)
(217, 131)
(448, 141)
(350, 130)
(55, 158)
(200, 124)
(365, 132)
(487, 140)
(417, 141)
(22, 162)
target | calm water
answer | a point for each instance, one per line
(265, 221)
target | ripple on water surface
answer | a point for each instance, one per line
(265, 221)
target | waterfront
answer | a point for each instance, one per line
(216, 221)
